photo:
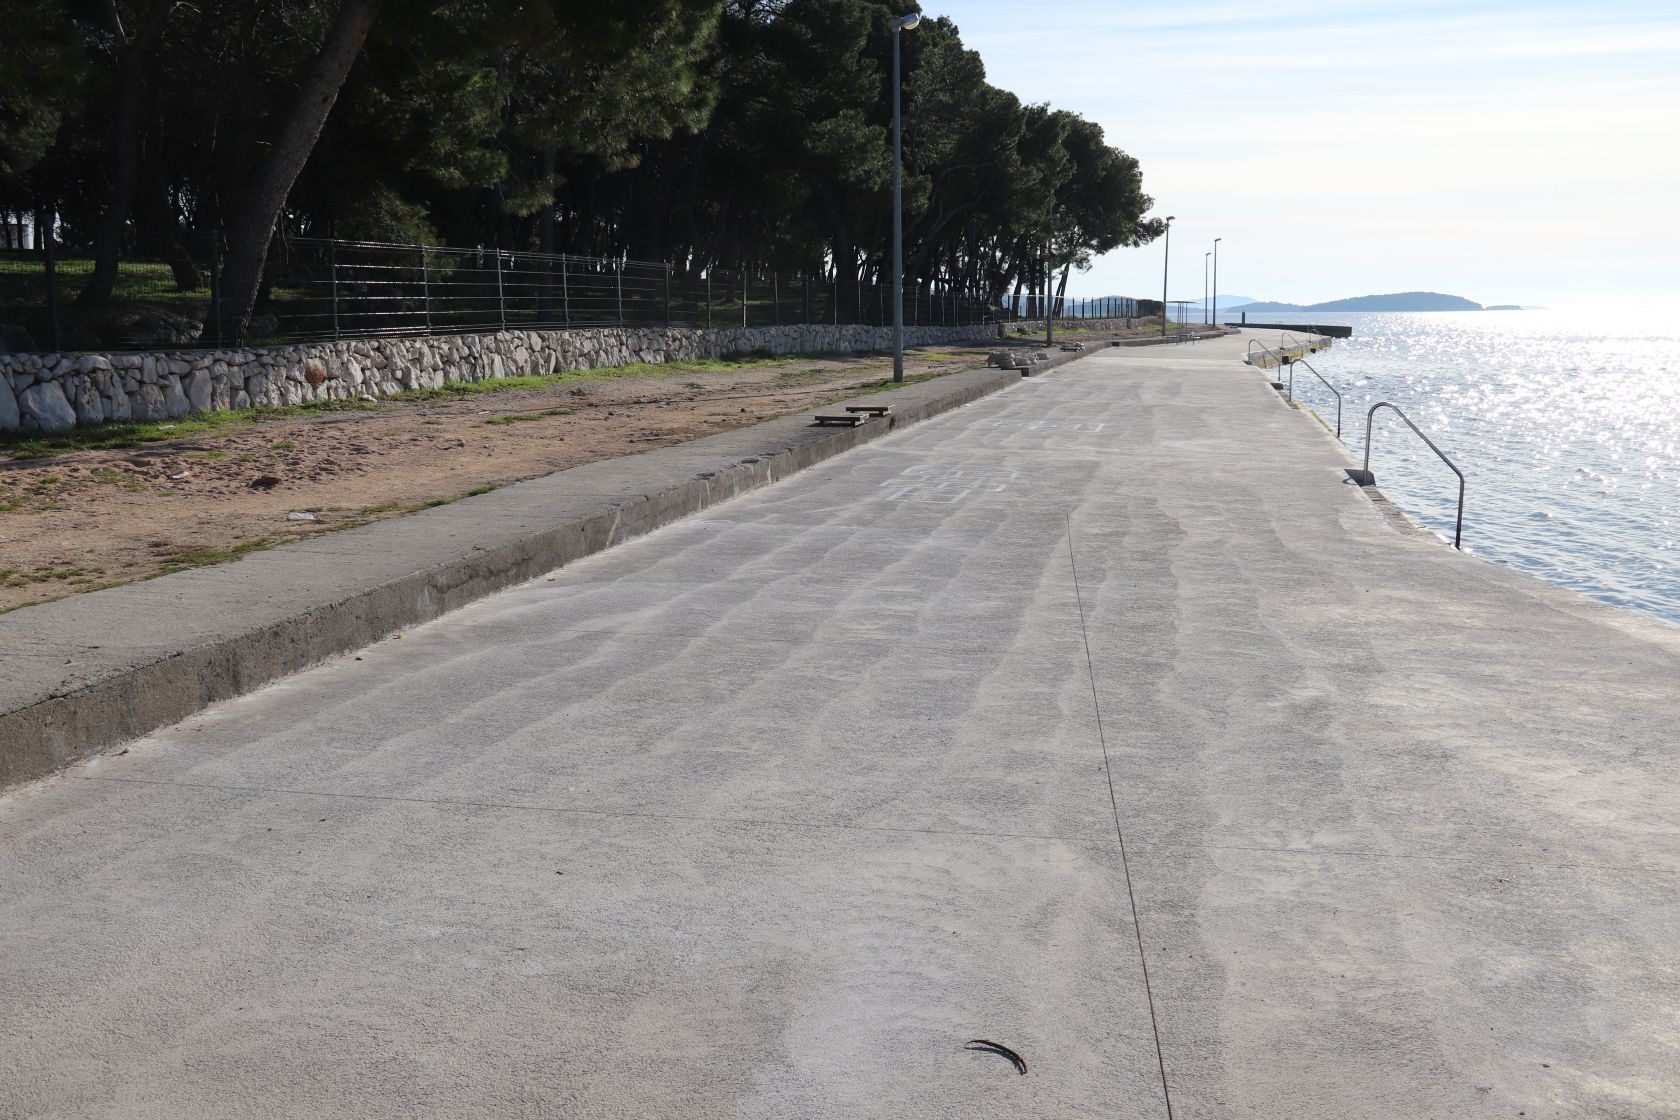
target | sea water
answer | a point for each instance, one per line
(1567, 429)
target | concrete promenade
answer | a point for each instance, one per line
(1099, 717)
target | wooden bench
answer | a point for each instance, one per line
(870, 409)
(839, 419)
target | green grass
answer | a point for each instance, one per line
(188, 557)
(523, 417)
(476, 491)
(138, 433)
(43, 445)
(48, 574)
(137, 282)
(948, 355)
(887, 383)
(283, 411)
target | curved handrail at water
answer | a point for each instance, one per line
(1458, 530)
(1266, 351)
(1326, 384)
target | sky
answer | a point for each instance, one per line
(1506, 152)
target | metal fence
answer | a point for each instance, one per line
(167, 292)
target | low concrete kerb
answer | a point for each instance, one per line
(1063, 357)
(82, 674)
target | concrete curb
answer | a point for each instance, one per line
(84, 673)
(1060, 357)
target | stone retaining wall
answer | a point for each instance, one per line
(48, 391)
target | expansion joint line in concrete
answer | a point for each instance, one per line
(1119, 833)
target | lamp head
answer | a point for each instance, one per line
(906, 23)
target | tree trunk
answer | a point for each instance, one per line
(272, 180)
(547, 218)
(123, 151)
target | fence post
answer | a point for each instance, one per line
(835, 296)
(667, 295)
(44, 216)
(743, 299)
(565, 292)
(776, 296)
(332, 286)
(215, 323)
(618, 278)
(501, 298)
(426, 287)
(708, 299)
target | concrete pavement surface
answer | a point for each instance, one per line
(93, 670)
(1100, 718)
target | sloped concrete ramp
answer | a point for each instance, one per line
(1099, 718)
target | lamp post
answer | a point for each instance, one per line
(1166, 256)
(1205, 257)
(902, 23)
(1216, 242)
(1049, 303)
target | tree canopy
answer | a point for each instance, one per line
(709, 133)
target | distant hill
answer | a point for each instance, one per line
(1225, 301)
(1394, 301)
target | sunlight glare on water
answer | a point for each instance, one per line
(1566, 427)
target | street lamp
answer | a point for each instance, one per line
(1049, 304)
(902, 23)
(1216, 242)
(1205, 257)
(1166, 255)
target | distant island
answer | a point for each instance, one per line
(1394, 301)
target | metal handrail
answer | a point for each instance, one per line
(1323, 382)
(1315, 342)
(1458, 530)
(1273, 354)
